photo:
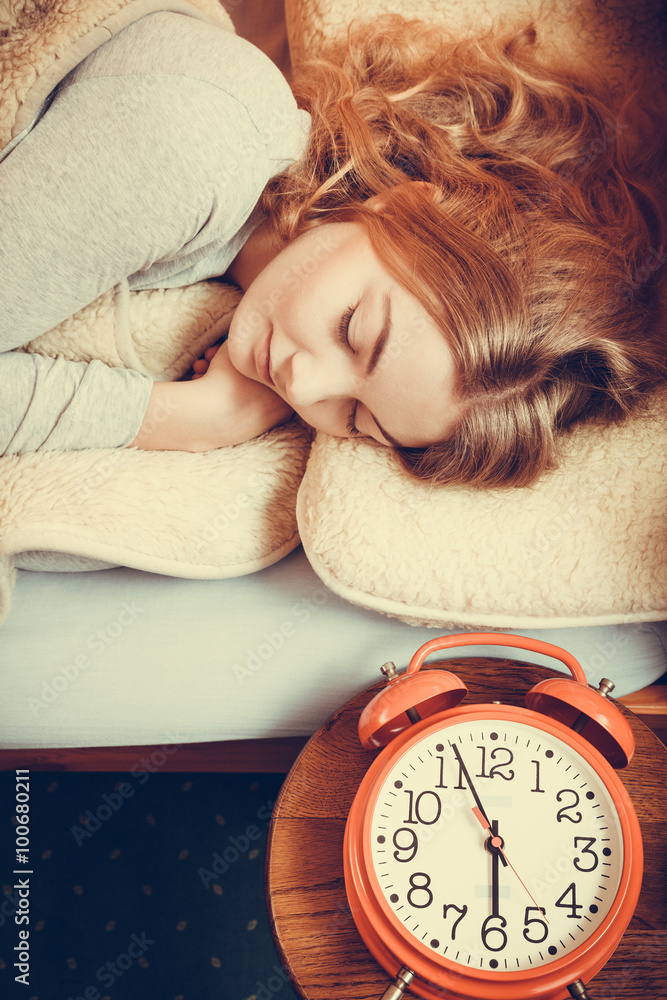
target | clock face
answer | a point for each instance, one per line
(495, 845)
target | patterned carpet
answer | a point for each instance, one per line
(144, 887)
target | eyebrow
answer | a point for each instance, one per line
(376, 353)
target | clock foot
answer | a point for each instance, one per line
(578, 991)
(400, 984)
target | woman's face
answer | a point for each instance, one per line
(344, 344)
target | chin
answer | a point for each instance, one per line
(243, 338)
(239, 352)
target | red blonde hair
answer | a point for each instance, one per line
(535, 244)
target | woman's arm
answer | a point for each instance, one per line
(110, 183)
(102, 407)
(220, 408)
(48, 403)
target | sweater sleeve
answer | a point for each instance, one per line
(49, 403)
(120, 173)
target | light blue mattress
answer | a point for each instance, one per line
(120, 657)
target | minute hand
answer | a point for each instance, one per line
(476, 797)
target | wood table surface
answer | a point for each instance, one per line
(311, 922)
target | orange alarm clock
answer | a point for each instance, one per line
(491, 851)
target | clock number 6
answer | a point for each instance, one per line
(486, 931)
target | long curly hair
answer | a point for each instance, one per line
(536, 242)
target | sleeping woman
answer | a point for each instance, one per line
(444, 247)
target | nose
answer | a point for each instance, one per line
(311, 380)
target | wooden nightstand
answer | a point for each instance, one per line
(313, 929)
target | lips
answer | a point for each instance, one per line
(263, 360)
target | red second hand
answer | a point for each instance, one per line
(496, 842)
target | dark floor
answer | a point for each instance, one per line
(143, 887)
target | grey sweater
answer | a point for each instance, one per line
(145, 167)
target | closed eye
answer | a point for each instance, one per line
(351, 421)
(343, 340)
(344, 328)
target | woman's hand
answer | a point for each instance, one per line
(200, 367)
(254, 407)
(218, 407)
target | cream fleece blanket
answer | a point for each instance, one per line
(219, 514)
(587, 545)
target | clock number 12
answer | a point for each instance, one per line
(495, 770)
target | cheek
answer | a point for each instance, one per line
(248, 323)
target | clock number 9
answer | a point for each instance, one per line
(411, 846)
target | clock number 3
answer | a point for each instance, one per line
(589, 841)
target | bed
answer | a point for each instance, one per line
(100, 664)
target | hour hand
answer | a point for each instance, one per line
(496, 841)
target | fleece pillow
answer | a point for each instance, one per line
(218, 514)
(609, 37)
(587, 545)
(210, 515)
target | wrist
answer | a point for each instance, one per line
(181, 416)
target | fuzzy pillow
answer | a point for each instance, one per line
(587, 545)
(609, 37)
(211, 515)
(218, 514)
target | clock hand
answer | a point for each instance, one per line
(495, 856)
(480, 807)
(496, 843)
(495, 853)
